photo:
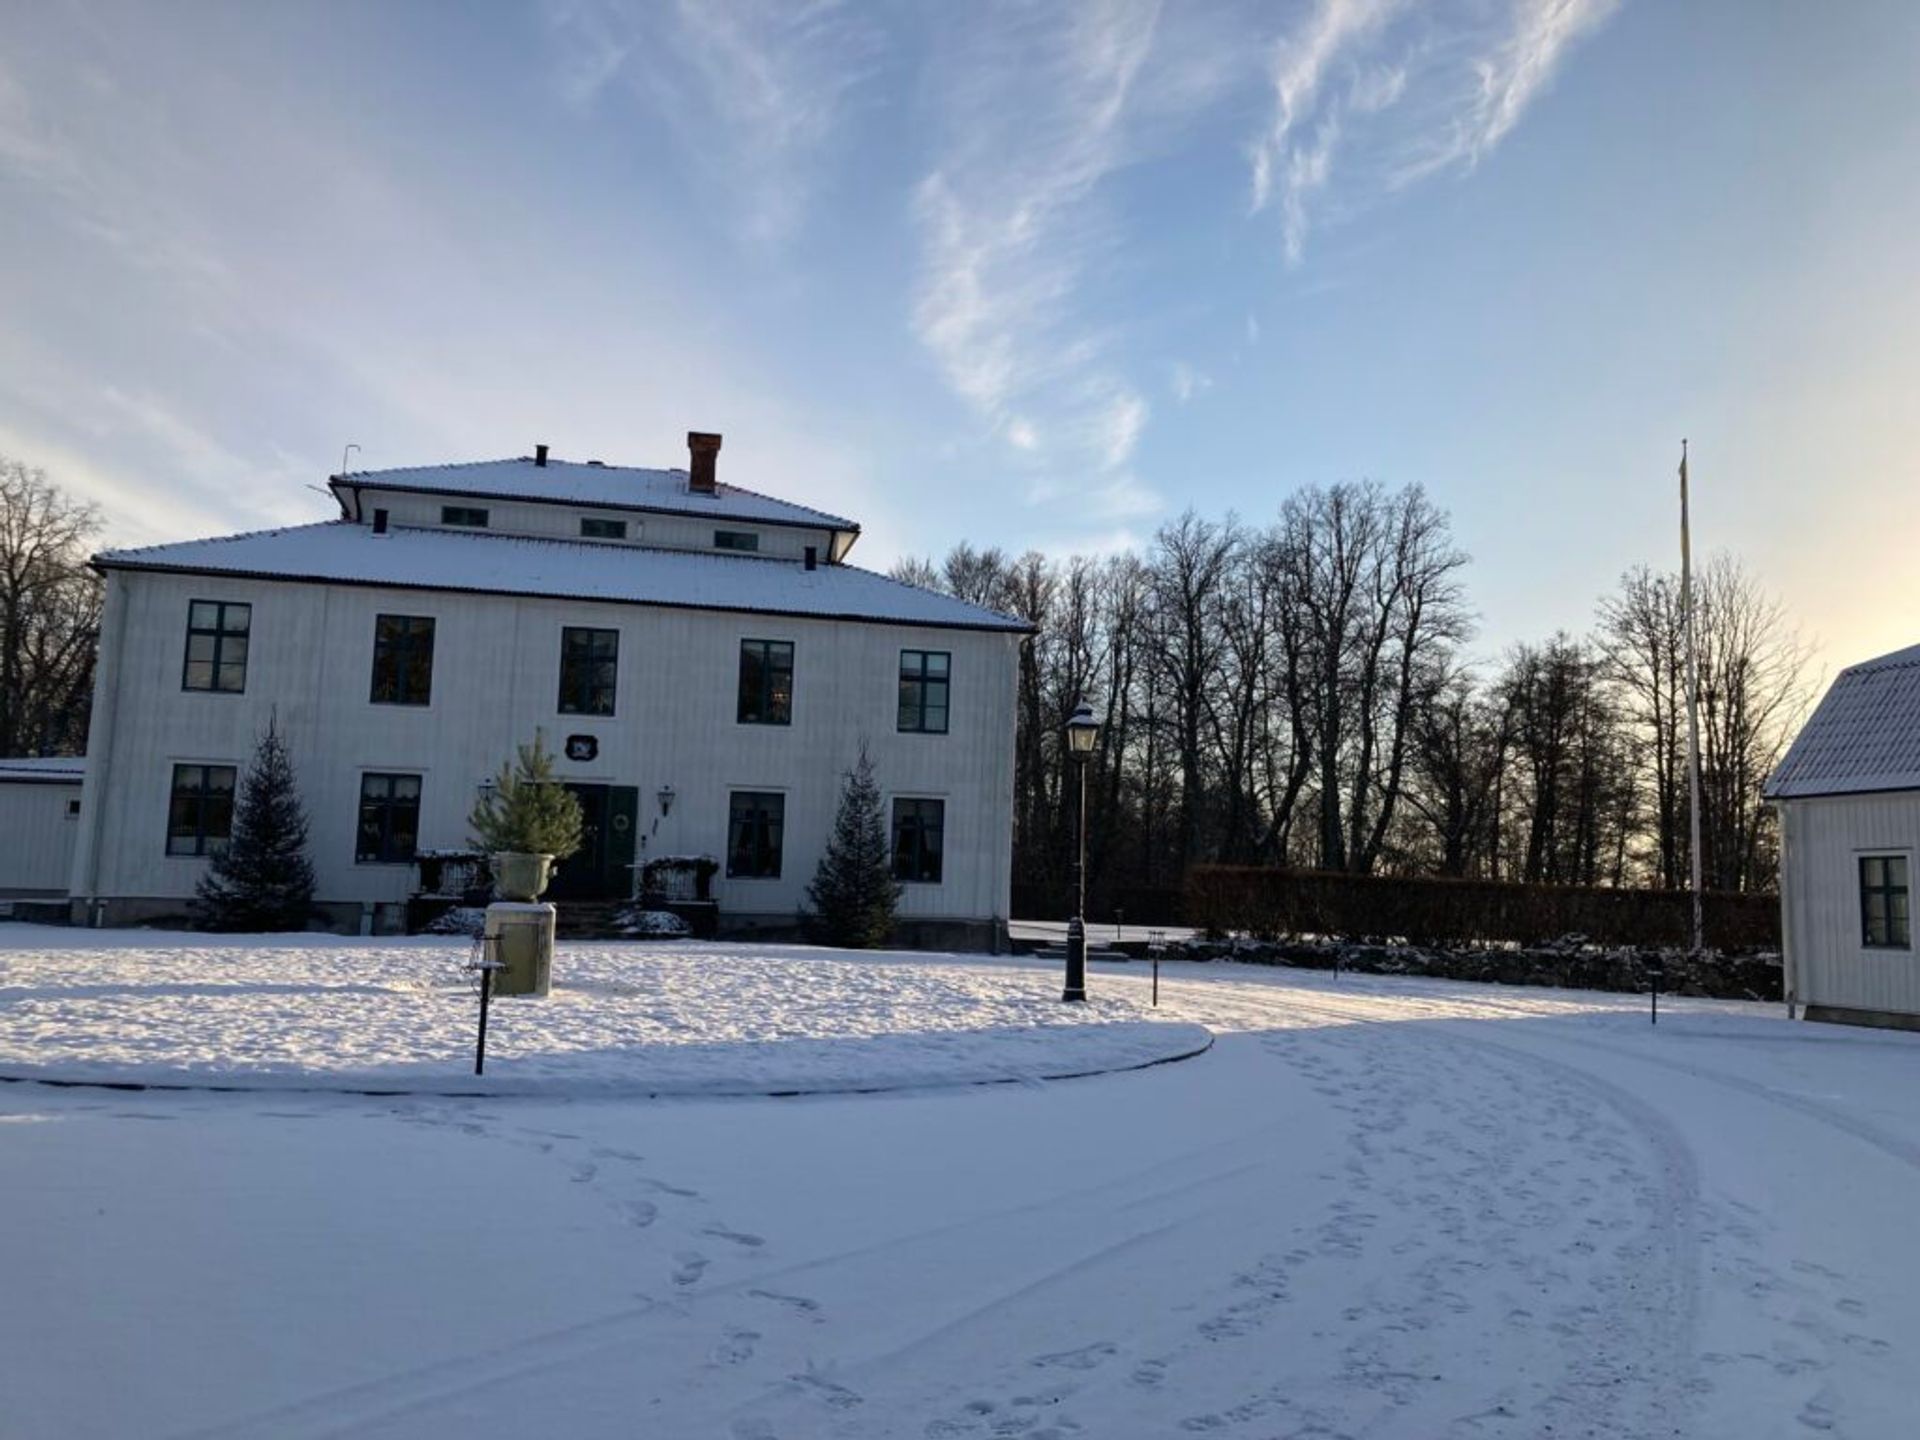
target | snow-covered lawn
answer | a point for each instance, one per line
(632, 1019)
(1392, 1208)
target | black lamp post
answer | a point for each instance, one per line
(1082, 731)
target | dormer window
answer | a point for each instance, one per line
(594, 527)
(746, 541)
(472, 517)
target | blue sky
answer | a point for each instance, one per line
(1026, 274)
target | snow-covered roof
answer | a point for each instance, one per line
(342, 552)
(1864, 736)
(621, 487)
(44, 769)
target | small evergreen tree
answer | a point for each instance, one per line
(853, 893)
(528, 811)
(262, 880)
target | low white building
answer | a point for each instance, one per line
(702, 657)
(1848, 794)
(39, 817)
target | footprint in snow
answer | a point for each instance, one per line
(797, 1303)
(1149, 1373)
(735, 1237)
(1817, 1413)
(642, 1213)
(737, 1348)
(663, 1188)
(583, 1172)
(836, 1395)
(1087, 1357)
(689, 1266)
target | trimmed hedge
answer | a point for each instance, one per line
(1627, 970)
(1271, 903)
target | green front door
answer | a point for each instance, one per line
(602, 868)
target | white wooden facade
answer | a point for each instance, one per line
(313, 598)
(39, 818)
(1848, 794)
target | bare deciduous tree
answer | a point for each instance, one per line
(49, 614)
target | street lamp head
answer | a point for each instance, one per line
(665, 797)
(1082, 731)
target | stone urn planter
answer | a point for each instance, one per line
(519, 876)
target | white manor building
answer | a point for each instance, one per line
(701, 657)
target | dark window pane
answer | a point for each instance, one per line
(588, 670)
(752, 681)
(597, 529)
(200, 808)
(918, 840)
(216, 656)
(923, 691)
(402, 660)
(766, 682)
(389, 826)
(755, 823)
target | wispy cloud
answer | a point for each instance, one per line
(766, 82)
(1040, 111)
(1404, 92)
(1186, 381)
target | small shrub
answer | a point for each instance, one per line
(528, 810)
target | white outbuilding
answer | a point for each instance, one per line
(702, 657)
(39, 817)
(1848, 794)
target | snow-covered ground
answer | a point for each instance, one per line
(1377, 1207)
(333, 1013)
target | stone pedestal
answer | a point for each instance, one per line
(520, 936)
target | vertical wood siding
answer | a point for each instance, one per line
(36, 837)
(496, 679)
(1821, 889)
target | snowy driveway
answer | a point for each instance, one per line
(1376, 1208)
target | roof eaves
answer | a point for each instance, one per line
(821, 520)
(853, 616)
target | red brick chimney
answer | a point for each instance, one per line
(702, 450)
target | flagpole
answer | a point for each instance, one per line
(1693, 697)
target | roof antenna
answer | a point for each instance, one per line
(345, 456)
